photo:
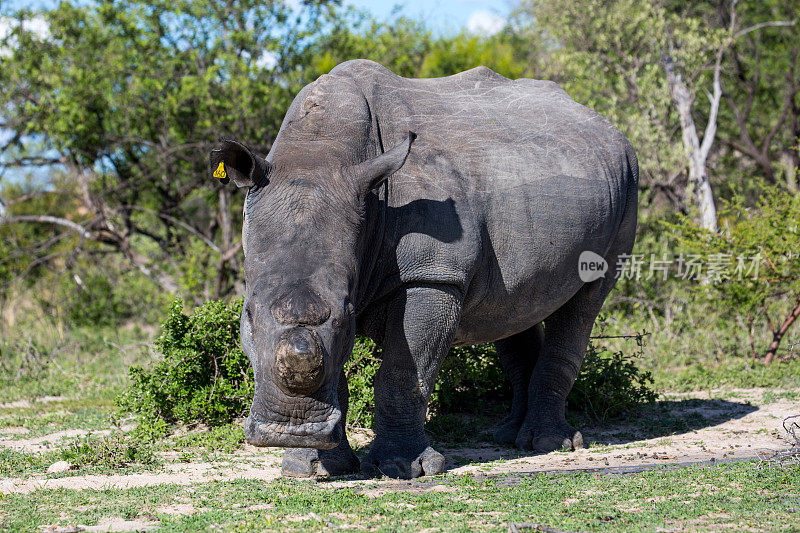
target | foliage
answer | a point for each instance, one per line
(610, 384)
(469, 374)
(203, 377)
(410, 49)
(360, 370)
(768, 231)
(130, 133)
(110, 451)
(751, 264)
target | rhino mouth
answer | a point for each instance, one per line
(321, 435)
(302, 423)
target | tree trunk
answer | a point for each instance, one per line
(697, 152)
(226, 227)
(778, 334)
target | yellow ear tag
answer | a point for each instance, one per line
(220, 172)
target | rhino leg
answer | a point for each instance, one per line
(310, 462)
(566, 336)
(518, 355)
(420, 325)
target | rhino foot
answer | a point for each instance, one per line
(396, 465)
(565, 438)
(506, 431)
(309, 462)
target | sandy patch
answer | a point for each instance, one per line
(724, 429)
(24, 404)
(725, 426)
(177, 474)
(108, 524)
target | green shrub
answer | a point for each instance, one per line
(105, 298)
(609, 384)
(754, 254)
(203, 376)
(360, 370)
(469, 374)
(112, 451)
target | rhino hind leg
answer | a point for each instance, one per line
(420, 325)
(339, 461)
(566, 336)
(518, 355)
(567, 331)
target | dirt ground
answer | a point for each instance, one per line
(685, 428)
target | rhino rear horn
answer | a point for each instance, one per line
(377, 170)
(233, 160)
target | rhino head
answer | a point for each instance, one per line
(303, 244)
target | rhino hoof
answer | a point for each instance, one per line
(570, 439)
(505, 433)
(428, 463)
(312, 463)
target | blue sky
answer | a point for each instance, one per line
(444, 15)
(441, 15)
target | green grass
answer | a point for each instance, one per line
(46, 360)
(43, 418)
(734, 496)
(87, 454)
(731, 373)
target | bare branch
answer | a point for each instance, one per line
(47, 219)
(33, 161)
(771, 23)
(177, 222)
(711, 126)
(231, 252)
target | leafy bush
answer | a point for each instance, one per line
(203, 377)
(360, 370)
(112, 451)
(469, 374)
(609, 384)
(751, 263)
(91, 298)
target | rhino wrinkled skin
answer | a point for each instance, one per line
(467, 230)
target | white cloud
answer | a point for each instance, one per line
(36, 25)
(268, 60)
(485, 22)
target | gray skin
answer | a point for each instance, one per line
(471, 235)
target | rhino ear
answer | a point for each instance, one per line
(374, 172)
(232, 159)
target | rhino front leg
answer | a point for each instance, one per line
(420, 325)
(339, 461)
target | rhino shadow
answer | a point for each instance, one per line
(436, 218)
(664, 418)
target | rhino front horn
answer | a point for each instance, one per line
(298, 362)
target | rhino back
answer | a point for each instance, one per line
(507, 183)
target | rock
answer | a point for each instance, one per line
(58, 467)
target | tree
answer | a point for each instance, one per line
(127, 97)
(762, 80)
(610, 57)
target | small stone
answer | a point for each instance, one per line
(58, 467)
